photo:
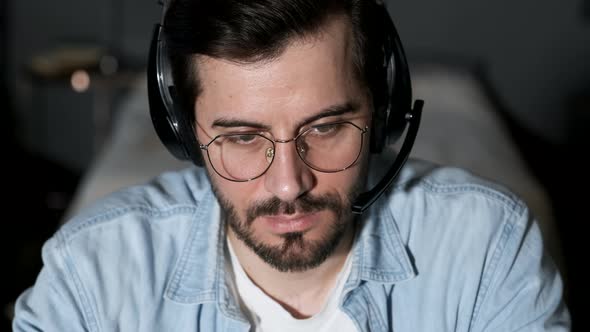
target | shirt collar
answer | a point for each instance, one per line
(379, 252)
(379, 255)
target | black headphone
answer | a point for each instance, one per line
(390, 85)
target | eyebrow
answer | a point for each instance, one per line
(350, 107)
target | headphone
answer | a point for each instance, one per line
(389, 82)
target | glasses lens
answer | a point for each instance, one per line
(241, 157)
(331, 147)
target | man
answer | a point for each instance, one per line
(263, 238)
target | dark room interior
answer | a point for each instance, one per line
(542, 98)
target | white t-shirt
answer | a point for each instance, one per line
(266, 315)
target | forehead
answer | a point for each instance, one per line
(310, 74)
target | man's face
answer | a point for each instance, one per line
(292, 216)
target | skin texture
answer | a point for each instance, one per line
(291, 228)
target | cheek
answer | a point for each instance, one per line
(241, 195)
(238, 194)
(343, 183)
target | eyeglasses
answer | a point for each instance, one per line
(328, 148)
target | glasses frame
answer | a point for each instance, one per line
(265, 134)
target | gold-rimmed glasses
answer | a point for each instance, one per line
(329, 147)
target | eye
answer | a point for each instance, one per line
(325, 129)
(242, 139)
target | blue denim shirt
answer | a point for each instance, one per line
(442, 250)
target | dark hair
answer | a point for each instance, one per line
(249, 31)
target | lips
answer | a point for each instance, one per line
(281, 224)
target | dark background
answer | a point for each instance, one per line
(533, 56)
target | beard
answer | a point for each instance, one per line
(296, 253)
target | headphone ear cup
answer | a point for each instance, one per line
(378, 129)
(397, 121)
(390, 84)
(176, 133)
(381, 76)
(186, 131)
(170, 123)
(167, 131)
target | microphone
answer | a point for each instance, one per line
(364, 200)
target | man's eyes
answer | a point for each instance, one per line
(242, 139)
(325, 129)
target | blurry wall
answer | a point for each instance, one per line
(35, 26)
(51, 118)
(536, 51)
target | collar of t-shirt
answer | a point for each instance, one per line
(267, 315)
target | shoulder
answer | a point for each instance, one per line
(452, 196)
(476, 251)
(449, 217)
(144, 228)
(122, 250)
(170, 193)
(125, 247)
(166, 204)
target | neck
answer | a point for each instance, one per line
(301, 293)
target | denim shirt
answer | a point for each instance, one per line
(442, 250)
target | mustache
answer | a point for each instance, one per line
(304, 204)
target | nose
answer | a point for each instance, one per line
(288, 177)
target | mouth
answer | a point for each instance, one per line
(282, 224)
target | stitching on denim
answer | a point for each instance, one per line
(490, 272)
(391, 245)
(398, 248)
(179, 273)
(385, 276)
(509, 199)
(379, 320)
(353, 307)
(69, 231)
(204, 297)
(87, 308)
